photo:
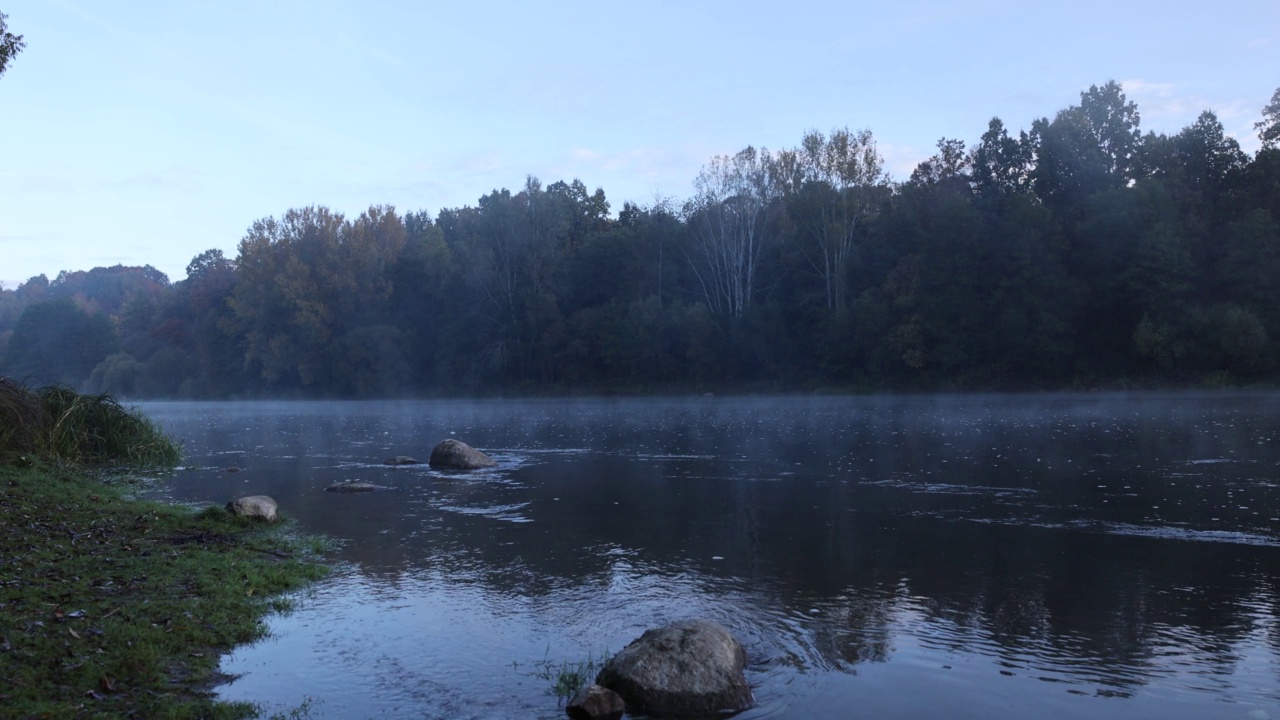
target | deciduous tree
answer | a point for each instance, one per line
(835, 183)
(1087, 148)
(1269, 127)
(10, 44)
(1000, 165)
(728, 217)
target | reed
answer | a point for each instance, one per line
(57, 424)
(22, 419)
(566, 677)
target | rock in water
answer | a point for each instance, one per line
(456, 455)
(354, 487)
(595, 703)
(254, 506)
(401, 460)
(690, 667)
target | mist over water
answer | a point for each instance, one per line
(974, 556)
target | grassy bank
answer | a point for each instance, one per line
(58, 425)
(112, 606)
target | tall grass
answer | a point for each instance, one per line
(566, 677)
(57, 424)
(22, 419)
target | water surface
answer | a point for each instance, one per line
(1006, 556)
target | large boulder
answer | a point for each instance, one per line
(259, 507)
(593, 702)
(456, 455)
(688, 668)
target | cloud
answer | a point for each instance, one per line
(638, 174)
(485, 167)
(174, 178)
(901, 160)
(444, 181)
(47, 185)
(27, 238)
(1163, 102)
(288, 127)
(372, 51)
(1166, 108)
(641, 160)
(1142, 87)
(98, 20)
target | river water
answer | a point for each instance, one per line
(990, 556)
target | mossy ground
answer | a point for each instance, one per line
(116, 607)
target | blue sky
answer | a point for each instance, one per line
(146, 133)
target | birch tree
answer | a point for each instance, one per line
(834, 181)
(727, 217)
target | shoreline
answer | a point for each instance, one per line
(757, 389)
(116, 606)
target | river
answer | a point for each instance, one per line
(967, 556)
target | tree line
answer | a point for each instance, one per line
(1079, 253)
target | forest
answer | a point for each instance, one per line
(1080, 253)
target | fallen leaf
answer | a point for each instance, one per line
(73, 632)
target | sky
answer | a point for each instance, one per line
(148, 132)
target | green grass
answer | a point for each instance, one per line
(58, 425)
(113, 607)
(566, 677)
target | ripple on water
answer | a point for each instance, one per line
(506, 513)
(1165, 532)
(950, 488)
(1057, 620)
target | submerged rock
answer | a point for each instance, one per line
(456, 455)
(595, 703)
(351, 486)
(254, 506)
(690, 667)
(401, 460)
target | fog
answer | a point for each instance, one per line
(1053, 550)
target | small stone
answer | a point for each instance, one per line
(595, 703)
(260, 507)
(354, 487)
(401, 460)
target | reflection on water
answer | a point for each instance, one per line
(978, 556)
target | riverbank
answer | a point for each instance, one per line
(116, 607)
